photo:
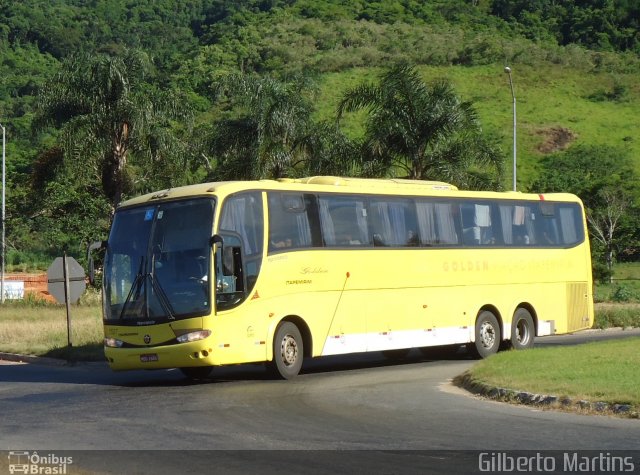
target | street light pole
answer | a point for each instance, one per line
(507, 70)
(3, 215)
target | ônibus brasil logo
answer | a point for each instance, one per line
(41, 464)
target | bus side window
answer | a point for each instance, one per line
(436, 223)
(393, 222)
(242, 214)
(293, 221)
(570, 224)
(477, 227)
(525, 219)
(344, 221)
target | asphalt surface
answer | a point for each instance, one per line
(359, 413)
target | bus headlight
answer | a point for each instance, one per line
(113, 343)
(194, 336)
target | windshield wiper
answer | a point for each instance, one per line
(136, 285)
(162, 296)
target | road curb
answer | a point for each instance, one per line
(475, 386)
(31, 359)
(45, 361)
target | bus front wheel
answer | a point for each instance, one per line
(522, 330)
(488, 335)
(288, 350)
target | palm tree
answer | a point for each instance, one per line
(107, 115)
(327, 151)
(424, 130)
(264, 140)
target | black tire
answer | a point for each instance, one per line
(523, 330)
(288, 351)
(197, 372)
(396, 354)
(488, 335)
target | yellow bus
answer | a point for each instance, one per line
(274, 271)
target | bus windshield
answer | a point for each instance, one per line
(157, 263)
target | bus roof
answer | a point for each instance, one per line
(390, 186)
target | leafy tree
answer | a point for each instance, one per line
(606, 181)
(605, 219)
(424, 130)
(263, 140)
(596, 24)
(114, 125)
(269, 132)
(329, 152)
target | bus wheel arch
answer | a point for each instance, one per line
(489, 329)
(523, 327)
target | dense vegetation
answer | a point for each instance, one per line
(104, 99)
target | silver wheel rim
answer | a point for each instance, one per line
(289, 350)
(487, 334)
(522, 332)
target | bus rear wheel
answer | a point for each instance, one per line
(522, 330)
(288, 351)
(488, 335)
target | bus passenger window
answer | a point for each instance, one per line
(343, 221)
(293, 221)
(242, 214)
(393, 222)
(570, 224)
(437, 223)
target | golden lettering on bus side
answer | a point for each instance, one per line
(313, 270)
(465, 266)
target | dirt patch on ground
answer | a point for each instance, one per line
(555, 139)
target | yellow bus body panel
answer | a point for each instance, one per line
(372, 299)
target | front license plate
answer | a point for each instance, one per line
(148, 358)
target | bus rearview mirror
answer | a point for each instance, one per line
(94, 246)
(228, 260)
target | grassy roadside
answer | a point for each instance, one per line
(42, 331)
(594, 376)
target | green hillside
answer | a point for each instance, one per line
(575, 68)
(556, 107)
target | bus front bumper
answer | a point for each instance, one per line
(181, 355)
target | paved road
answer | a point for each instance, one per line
(374, 412)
